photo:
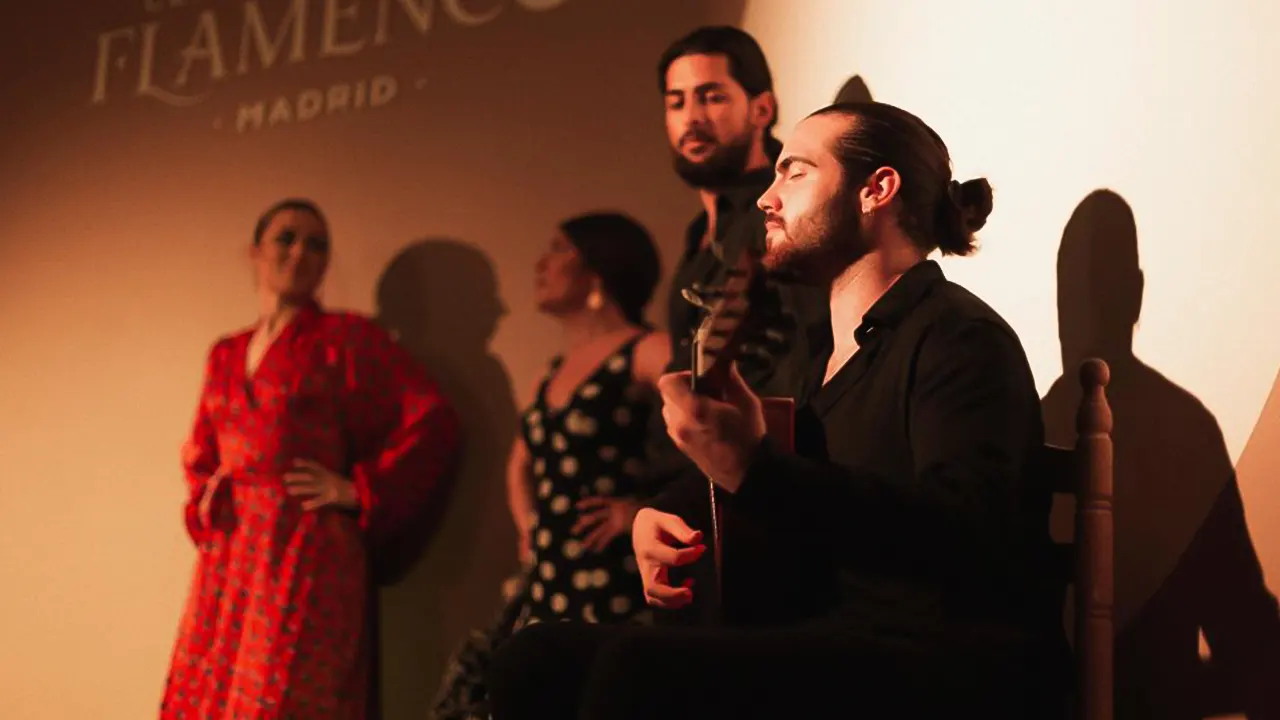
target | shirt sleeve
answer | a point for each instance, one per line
(200, 457)
(972, 415)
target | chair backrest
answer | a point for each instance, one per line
(1085, 472)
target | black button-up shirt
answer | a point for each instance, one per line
(911, 486)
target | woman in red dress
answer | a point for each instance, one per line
(318, 449)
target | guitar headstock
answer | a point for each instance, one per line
(739, 316)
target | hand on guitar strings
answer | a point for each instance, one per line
(719, 436)
(604, 519)
(656, 537)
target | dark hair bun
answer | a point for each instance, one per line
(962, 210)
(974, 199)
(621, 251)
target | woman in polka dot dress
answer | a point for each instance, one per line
(573, 474)
(585, 458)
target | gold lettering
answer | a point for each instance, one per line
(147, 63)
(419, 15)
(250, 114)
(382, 25)
(204, 46)
(146, 72)
(310, 104)
(382, 90)
(280, 112)
(540, 5)
(333, 13)
(254, 34)
(464, 17)
(104, 57)
(339, 96)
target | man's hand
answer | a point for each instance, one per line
(655, 537)
(320, 486)
(718, 436)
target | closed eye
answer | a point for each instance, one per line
(318, 244)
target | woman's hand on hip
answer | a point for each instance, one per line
(319, 487)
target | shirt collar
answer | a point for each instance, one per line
(900, 299)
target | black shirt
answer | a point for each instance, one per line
(911, 482)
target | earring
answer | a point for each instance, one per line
(595, 300)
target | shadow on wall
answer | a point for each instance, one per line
(440, 299)
(854, 90)
(1185, 563)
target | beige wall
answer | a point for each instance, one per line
(1158, 109)
(123, 226)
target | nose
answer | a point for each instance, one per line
(696, 113)
(692, 115)
(770, 202)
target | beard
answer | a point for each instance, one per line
(724, 165)
(819, 246)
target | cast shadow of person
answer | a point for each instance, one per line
(854, 90)
(439, 298)
(1184, 561)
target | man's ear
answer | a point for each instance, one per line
(880, 188)
(763, 110)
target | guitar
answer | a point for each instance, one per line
(735, 312)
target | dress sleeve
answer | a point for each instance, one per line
(200, 457)
(405, 444)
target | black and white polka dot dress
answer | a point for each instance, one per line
(593, 446)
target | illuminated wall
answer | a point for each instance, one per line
(444, 138)
(1159, 109)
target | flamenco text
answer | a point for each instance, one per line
(180, 54)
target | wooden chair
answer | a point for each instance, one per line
(1086, 473)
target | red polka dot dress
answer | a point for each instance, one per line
(275, 624)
